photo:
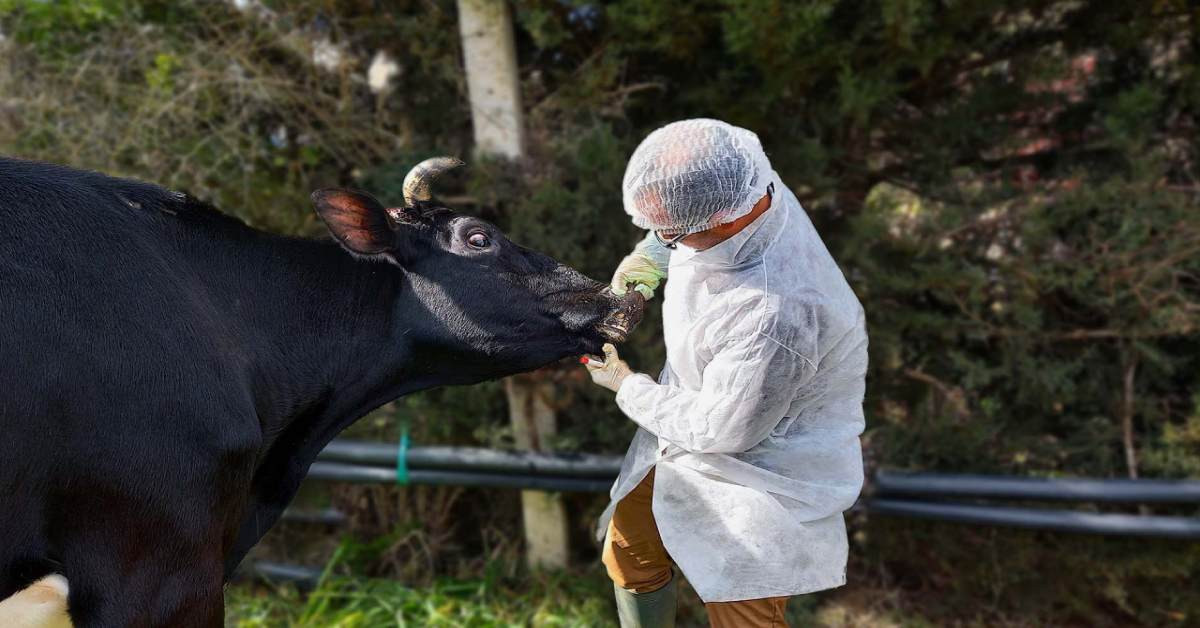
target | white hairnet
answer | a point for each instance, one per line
(693, 175)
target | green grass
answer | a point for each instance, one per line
(577, 598)
(349, 602)
(501, 593)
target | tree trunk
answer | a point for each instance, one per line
(490, 57)
(1127, 416)
(532, 414)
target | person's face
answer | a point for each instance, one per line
(709, 238)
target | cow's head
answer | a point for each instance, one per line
(490, 304)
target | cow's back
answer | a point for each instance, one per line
(95, 285)
(109, 344)
(79, 243)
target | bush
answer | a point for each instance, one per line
(1010, 187)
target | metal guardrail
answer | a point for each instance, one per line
(918, 495)
(1037, 489)
(924, 495)
(1113, 524)
(473, 459)
(328, 516)
(302, 576)
(360, 474)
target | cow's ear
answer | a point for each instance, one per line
(356, 219)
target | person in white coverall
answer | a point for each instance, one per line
(747, 451)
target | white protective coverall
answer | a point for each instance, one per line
(754, 423)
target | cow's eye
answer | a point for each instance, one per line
(479, 240)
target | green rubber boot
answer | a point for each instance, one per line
(655, 609)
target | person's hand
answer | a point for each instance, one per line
(612, 372)
(639, 269)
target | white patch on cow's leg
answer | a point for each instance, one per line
(42, 604)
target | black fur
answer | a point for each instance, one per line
(169, 374)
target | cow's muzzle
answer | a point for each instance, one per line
(617, 326)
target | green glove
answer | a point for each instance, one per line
(645, 267)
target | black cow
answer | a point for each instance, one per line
(168, 374)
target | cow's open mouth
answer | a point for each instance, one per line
(614, 333)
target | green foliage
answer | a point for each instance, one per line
(1176, 453)
(989, 577)
(42, 22)
(1029, 315)
(159, 76)
(1011, 187)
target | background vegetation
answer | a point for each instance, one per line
(1011, 187)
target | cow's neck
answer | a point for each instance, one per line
(320, 338)
(321, 348)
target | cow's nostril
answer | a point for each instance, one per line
(635, 305)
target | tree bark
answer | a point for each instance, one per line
(1127, 415)
(531, 410)
(493, 83)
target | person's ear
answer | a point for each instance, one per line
(358, 221)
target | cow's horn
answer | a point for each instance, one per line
(417, 181)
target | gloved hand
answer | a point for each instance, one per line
(645, 267)
(612, 372)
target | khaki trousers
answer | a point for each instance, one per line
(637, 561)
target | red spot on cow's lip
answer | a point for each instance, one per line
(583, 360)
